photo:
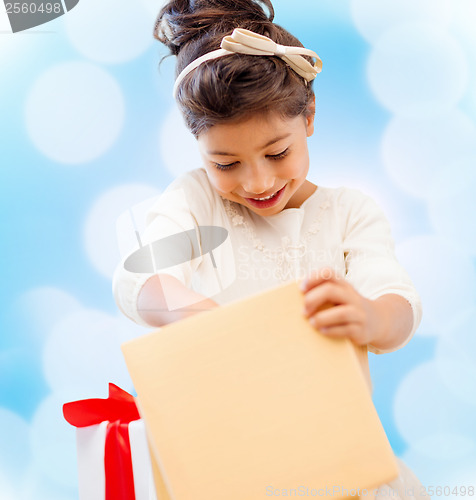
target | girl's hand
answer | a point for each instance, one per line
(336, 309)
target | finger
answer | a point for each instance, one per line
(318, 277)
(327, 293)
(350, 331)
(337, 315)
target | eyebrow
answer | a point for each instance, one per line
(271, 142)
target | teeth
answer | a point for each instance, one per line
(267, 198)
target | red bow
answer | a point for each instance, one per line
(119, 409)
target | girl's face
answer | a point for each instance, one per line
(257, 158)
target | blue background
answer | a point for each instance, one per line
(88, 129)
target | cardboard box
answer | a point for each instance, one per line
(248, 401)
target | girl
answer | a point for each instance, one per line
(244, 87)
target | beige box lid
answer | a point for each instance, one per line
(248, 399)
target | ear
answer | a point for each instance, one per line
(310, 117)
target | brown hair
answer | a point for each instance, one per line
(231, 87)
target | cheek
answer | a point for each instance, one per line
(304, 161)
(297, 168)
(223, 182)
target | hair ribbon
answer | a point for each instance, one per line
(243, 41)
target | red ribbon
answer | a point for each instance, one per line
(119, 409)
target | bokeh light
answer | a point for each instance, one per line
(415, 150)
(46, 306)
(82, 355)
(417, 70)
(456, 359)
(100, 237)
(454, 216)
(445, 278)
(424, 407)
(374, 18)
(53, 442)
(74, 112)
(117, 30)
(15, 452)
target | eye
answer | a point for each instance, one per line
(225, 167)
(279, 156)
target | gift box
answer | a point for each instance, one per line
(248, 401)
(113, 453)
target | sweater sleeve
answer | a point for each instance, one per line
(170, 243)
(370, 261)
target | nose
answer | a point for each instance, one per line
(258, 179)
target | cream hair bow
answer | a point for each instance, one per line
(243, 41)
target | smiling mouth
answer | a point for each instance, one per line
(267, 197)
(267, 201)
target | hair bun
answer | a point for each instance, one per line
(180, 21)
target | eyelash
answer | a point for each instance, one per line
(279, 156)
